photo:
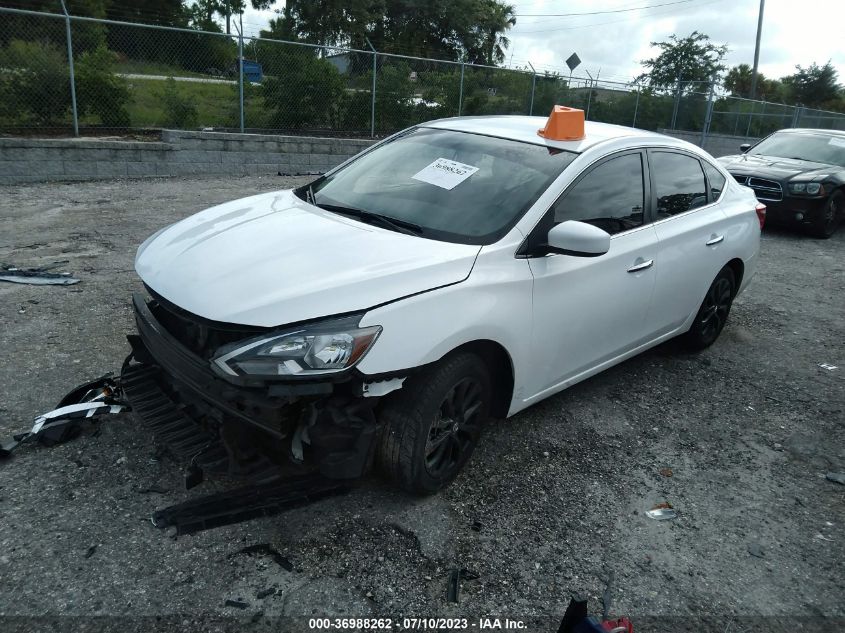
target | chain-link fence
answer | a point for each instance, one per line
(62, 73)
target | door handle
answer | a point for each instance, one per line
(641, 266)
(715, 240)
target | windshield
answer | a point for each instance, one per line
(446, 185)
(819, 148)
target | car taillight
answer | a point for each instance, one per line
(761, 213)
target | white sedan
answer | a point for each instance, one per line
(461, 269)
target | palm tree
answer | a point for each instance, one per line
(499, 18)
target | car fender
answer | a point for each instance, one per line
(492, 304)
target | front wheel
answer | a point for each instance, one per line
(713, 313)
(433, 423)
(829, 216)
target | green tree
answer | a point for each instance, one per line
(814, 86)
(34, 83)
(494, 20)
(449, 29)
(691, 59)
(739, 78)
(302, 90)
(180, 112)
(99, 90)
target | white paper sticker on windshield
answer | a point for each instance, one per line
(838, 142)
(445, 173)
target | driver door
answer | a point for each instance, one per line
(589, 310)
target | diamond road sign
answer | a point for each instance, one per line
(573, 61)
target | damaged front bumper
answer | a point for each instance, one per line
(256, 430)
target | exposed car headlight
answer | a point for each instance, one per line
(806, 188)
(321, 348)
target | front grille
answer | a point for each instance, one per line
(199, 335)
(769, 190)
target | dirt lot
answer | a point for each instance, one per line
(748, 428)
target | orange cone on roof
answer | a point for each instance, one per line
(564, 124)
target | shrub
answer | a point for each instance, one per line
(305, 92)
(179, 111)
(99, 90)
(34, 82)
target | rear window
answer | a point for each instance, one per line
(715, 179)
(678, 183)
(455, 186)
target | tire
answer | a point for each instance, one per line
(713, 313)
(448, 402)
(830, 216)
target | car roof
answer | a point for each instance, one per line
(524, 128)
(810, 130)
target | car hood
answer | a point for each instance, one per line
(274, 259)
(774, 167)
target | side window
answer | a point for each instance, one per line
(678, 183)
(609, 197)
(715, 179)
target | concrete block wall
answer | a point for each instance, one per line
(180, 153)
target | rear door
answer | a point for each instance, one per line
(588, 310)
(691, 228)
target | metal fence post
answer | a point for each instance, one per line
(636, 107)
(796, 116)
(373, 100)
(72, 77)
(750, 116)
(461, 90)
(708, 114)
(677, 104)
(533, 86)
(241, 76)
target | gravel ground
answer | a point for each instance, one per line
(748, 428)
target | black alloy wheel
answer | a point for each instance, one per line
(829, 216)
(455, 428)
(432, 424)
(713, 313)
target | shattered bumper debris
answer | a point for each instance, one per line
(99, 397)
(289, 443)
(256, 430)
(35, 276)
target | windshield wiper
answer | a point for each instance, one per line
(401, 226)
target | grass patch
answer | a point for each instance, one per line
(217, 104)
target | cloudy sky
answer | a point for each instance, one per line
(614, 43)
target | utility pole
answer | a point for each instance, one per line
(757, 50)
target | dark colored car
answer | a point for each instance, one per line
(799, 174)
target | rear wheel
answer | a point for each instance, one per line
(830, 216)
(433, 423)
(714, 310)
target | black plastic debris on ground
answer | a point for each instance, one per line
(90, 551)
(36, 276)
(247, 502)
(237, 604)
(264, 549)
(264, 593)
(453, 588)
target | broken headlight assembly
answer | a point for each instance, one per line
(320, 348)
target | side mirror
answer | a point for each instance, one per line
(578, 239)
(744, 147)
